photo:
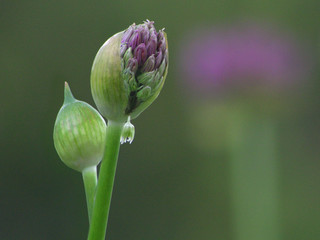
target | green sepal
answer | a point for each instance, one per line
(108, 87)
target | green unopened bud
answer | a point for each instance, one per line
(133, 83)
(149, 64)
(127, 132)
(146, 78)
(128, 55)
(144, 93)
(79, 133)
(131, 61)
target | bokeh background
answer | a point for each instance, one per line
(175, 180)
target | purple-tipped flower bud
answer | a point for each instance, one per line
(152, 44)
(123, 49)
(158, 59)
(146, 34)
(162, 43)
(140, 53)
(127, 56)
(121, 87)
(127, 35)
(133, 65)
(135, 39)
(125, 40)
(149, 64)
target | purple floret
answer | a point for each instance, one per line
(140, 53)
(144, 42)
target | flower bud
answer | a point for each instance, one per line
(149, 64)
(120, 64)
(79, 133)
(127, 132)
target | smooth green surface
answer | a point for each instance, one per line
(254, 178)
(107, 86)
(107, 173)
(89, 176)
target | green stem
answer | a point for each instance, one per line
(254, 178)
(89, 176)
(107, 172)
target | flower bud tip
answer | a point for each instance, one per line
(68, 97)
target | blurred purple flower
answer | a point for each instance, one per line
(243, 55)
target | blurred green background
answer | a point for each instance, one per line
(168, 186)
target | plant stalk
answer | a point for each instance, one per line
(107, 172)
(89, 176)
(254, 178)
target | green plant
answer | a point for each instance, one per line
(127, 75)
